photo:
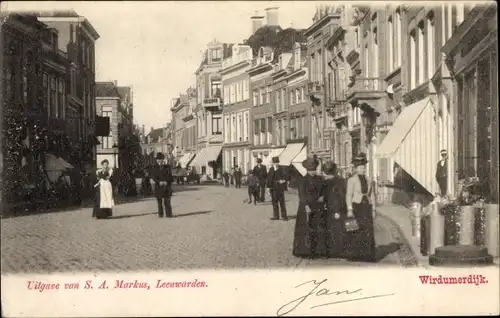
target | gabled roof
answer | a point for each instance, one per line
(124, 92)
(106, 89)
(156, 134)
(58, 13)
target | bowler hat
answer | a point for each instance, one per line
(160, 156)
(259, 160)
(276, 160)
(310, 164)
(360, 159)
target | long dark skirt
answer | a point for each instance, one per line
(335, 234)
(360, 244)
(301, 237)
(318, 232)
(97, 212)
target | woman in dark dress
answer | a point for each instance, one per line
(360, 200)
(306, 242)
(335, 212)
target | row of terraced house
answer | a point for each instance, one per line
(397, 82)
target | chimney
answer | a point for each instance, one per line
(257, 21)
(272, 16)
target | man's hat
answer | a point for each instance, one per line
(160, 156)
(259, 160)
(444, 152)
(276, 160)
(360, 159)
(311, 164)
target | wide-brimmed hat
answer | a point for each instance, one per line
(311, 164)
(276, 160)
(360, 159)
(329, 167)
(259, 160)
(160, 156)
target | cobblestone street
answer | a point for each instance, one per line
(213, 228)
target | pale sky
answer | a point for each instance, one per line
(155, 47)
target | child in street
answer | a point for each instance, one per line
(253, 188)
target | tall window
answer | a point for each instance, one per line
(60, 99)
(216, 55)
(232, 90)
(313, 67)
(246, 92)
(263, 96)
(107, 142)
(283, 99)
(431, 38)
(390, 44)
(319, 65)
(53, 97)
(269, 91)
(413, 62)
(255, 97)
(45, 90)
(367, 58)
(357, 38)
(278, 101)
(245, 127)
(375, 57)
(216, 88)
(421, 53)
(234, 130)
(269, 130)
(298, 98)
(293, 128)
(256, 132)
(398, 49)
(217, 126)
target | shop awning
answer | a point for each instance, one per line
(291, 151)
(412, 143)
(186, 159)
(297, 161)
(276, 152)
(55, 166)
(211, 153)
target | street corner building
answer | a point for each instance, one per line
(48, 102)
(115, 108)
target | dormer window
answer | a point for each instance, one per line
(216, 55)
(296, 57)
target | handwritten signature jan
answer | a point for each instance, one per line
(319, 290)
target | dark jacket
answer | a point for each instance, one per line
(260, 173)
(442, 171)
(253, 181)
(238, 174)
(311, 188)
(162, 175)
(273, 178)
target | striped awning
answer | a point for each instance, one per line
(412, 143)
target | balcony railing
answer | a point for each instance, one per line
(368, 84)
(238, 58)
(211, 102)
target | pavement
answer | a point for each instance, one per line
(213, 228)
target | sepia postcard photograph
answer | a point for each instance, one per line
(249, 158)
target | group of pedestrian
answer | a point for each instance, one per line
(335, 218)
(233, 178)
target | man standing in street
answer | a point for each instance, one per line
(276, 181)
(237, 176)
(163, 178)
(442, 173)
(260, 172)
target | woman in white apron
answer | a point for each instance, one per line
(103, 207)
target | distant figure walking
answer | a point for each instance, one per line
(226, 179)
(260, 172)
(276, 181)
(237, 176)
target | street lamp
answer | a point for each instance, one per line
(115, 146)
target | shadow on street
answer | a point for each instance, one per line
(131, 215)
(192, 213)
(384, 250)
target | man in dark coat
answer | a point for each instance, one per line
(162, 175)
(276, 181)
(237, 176)
(260, 172)
(442, 173)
